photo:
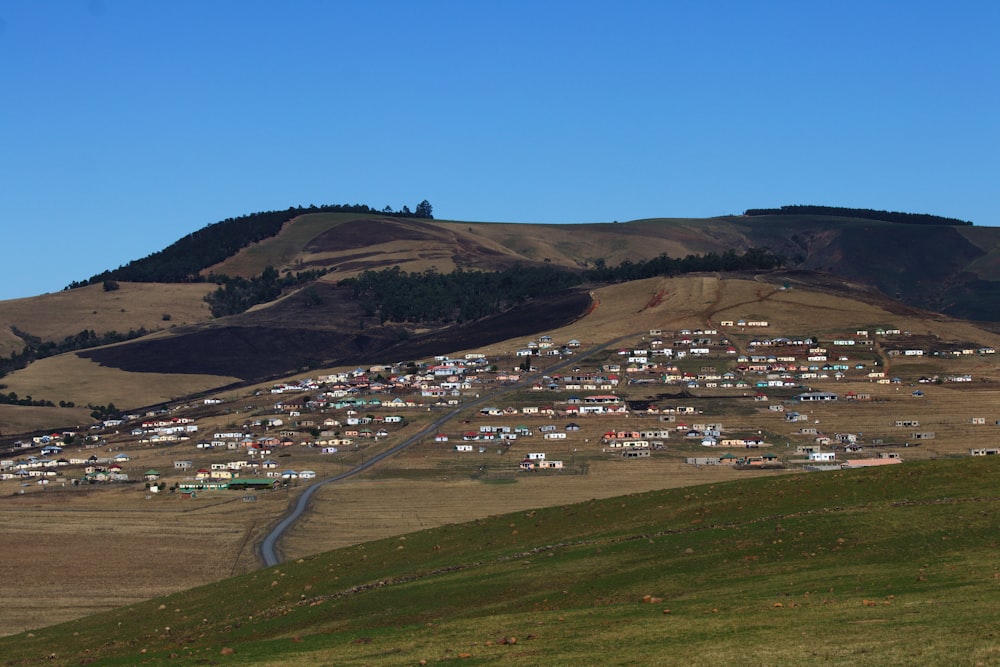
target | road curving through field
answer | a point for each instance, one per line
(269, 546)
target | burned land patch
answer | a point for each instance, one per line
(276, 346)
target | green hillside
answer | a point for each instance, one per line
(896, 565)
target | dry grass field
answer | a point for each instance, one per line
(67, 377)
(353, 245)
(70, 552)
(26, 419)
(109, 546)
(53, 317)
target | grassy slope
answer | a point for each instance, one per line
(445, 241)
(134, 305)
(67, 377)
(882, 566)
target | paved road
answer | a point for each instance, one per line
(268, 548)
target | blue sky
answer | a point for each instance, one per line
(126, 124)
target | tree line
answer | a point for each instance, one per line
(460, 296)
(754, 259)
(865, 213)
(35, 348)
(398, 296)
(185, 259)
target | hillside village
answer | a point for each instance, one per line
(734, 395)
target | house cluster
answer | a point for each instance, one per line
(783, 361)
(765, 460)
(681, 344)
(545, 346)
(236, 471)
(173, 429)
(351, 408)
(632, 443)
(44, 469)
(742, 323)
(605, 379)
(537, 461)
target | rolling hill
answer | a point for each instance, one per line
(875, 567)
(315, 322)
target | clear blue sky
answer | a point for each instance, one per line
(126, 124)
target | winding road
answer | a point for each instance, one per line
(268, 548)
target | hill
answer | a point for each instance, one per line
(886, 566)
(951, 269)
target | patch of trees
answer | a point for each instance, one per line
(185, 259)
(754, 259)
(865, 213)
(102, 412)
(461, 296)
(35, 348)
(236, 295)
(13, 399)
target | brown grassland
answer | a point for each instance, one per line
(133, 305)
(104, 547)
(67, 377)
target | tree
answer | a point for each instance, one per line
(110, 285)
(424, 210)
